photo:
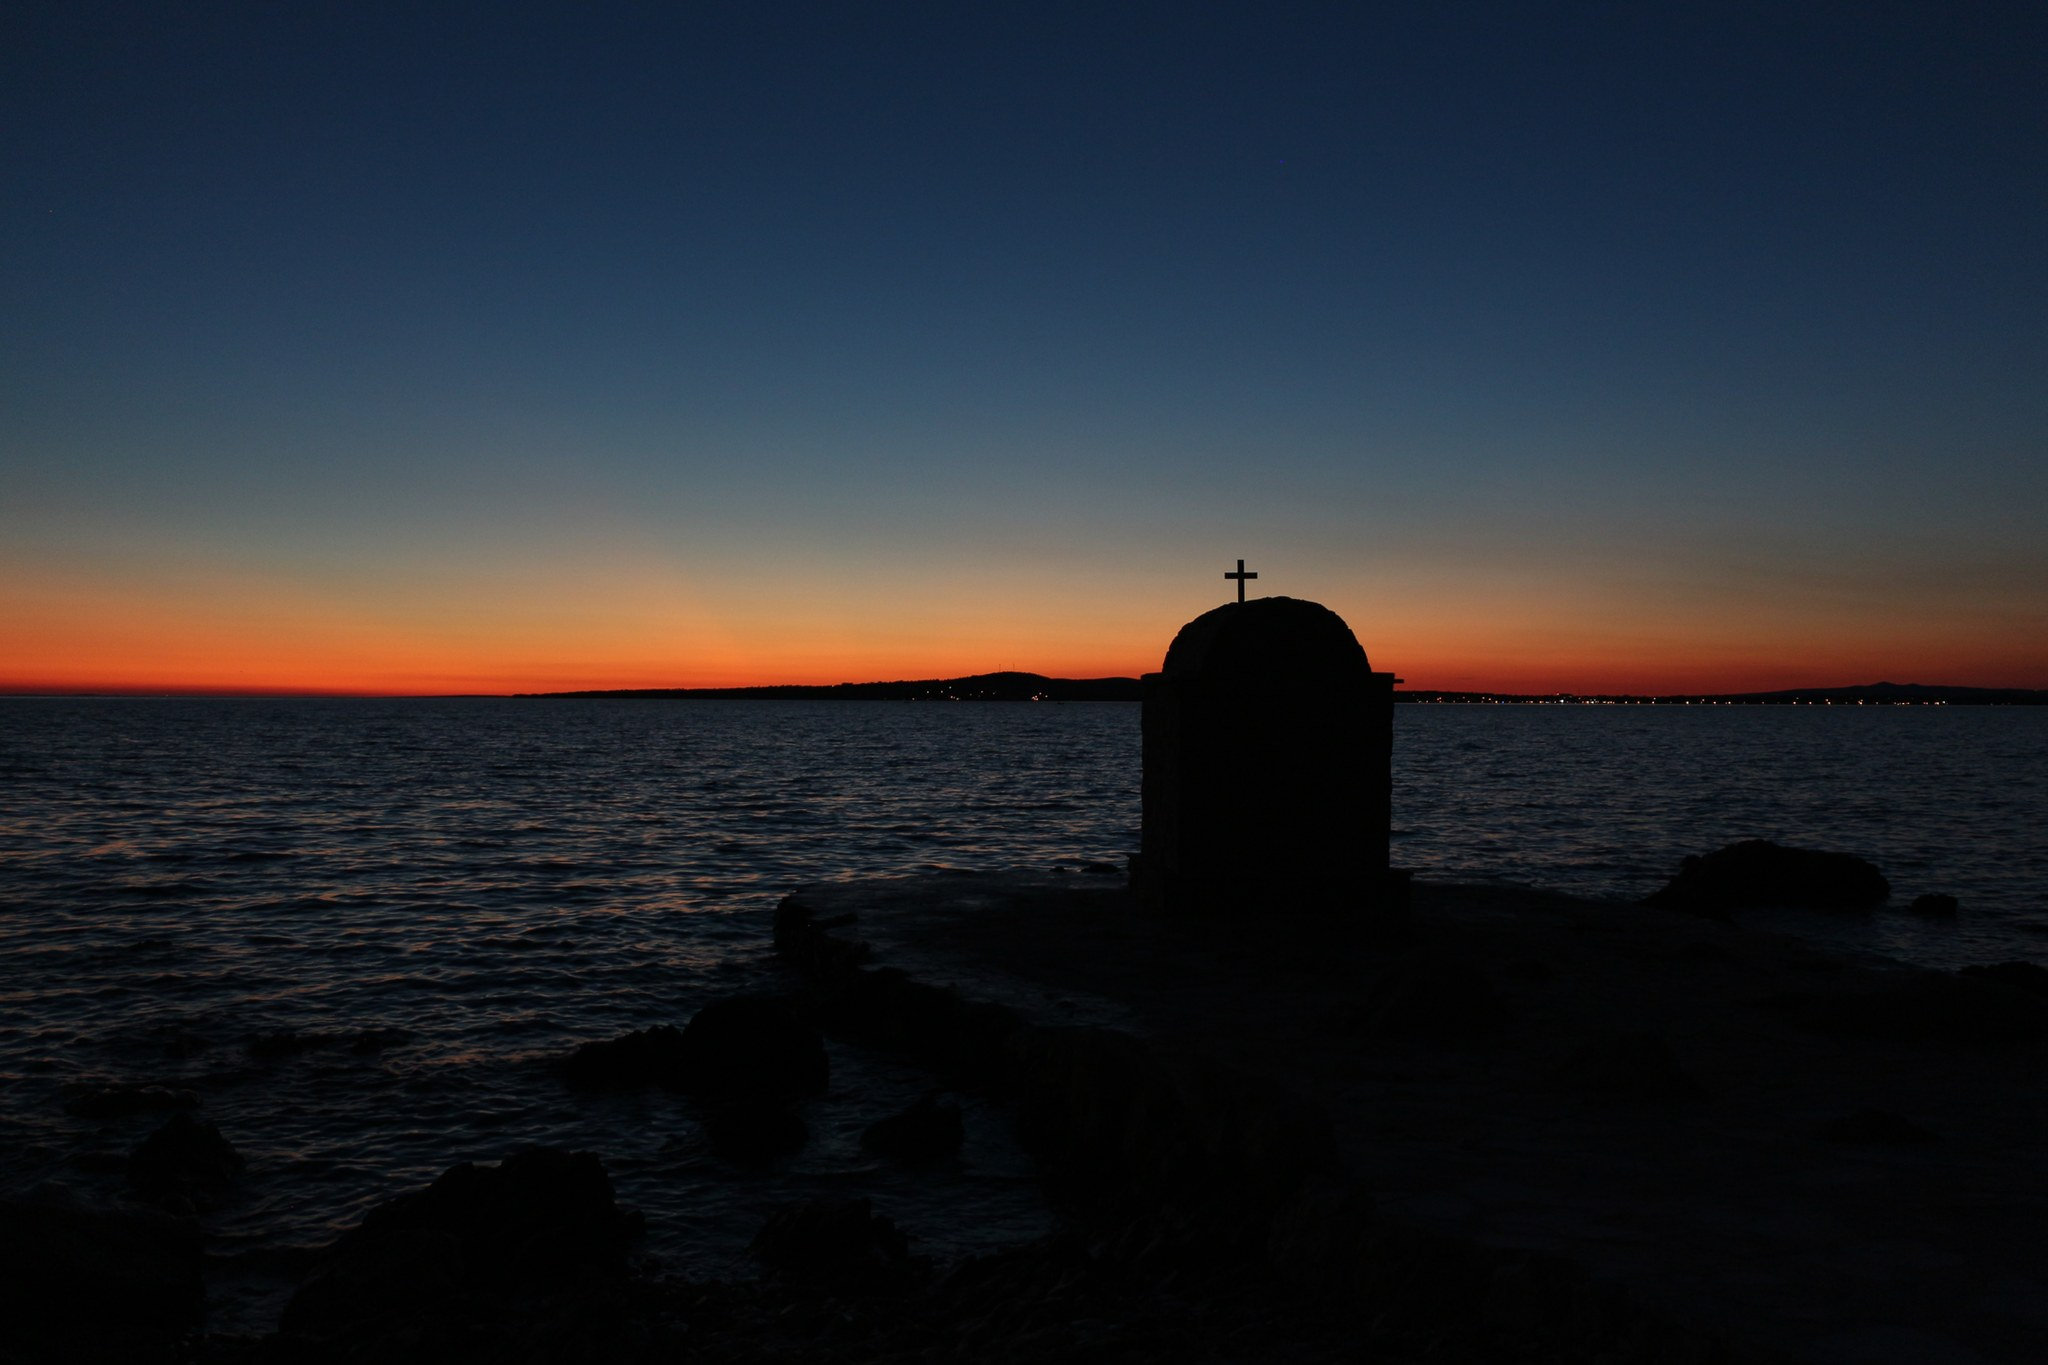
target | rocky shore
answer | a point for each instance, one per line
(1503, 1126)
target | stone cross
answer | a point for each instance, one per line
(1240, 576)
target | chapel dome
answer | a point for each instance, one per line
(1277, 638)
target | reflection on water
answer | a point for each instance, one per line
(232, 896)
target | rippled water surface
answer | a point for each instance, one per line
(418, 903)
(1604, 801)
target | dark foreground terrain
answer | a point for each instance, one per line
(1503, 1126)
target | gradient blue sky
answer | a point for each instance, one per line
(487, 347)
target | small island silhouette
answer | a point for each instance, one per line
(976, 687)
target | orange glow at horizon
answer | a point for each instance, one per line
(630, 614)
(282, 642)
(241, 639)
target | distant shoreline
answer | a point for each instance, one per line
(1037, 687)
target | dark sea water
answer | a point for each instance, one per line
(361, 930)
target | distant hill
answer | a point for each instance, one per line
(1918, 694)
(1038, 687)
(979, 687)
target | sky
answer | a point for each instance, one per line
(438, 348)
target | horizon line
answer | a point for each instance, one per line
(285, 693)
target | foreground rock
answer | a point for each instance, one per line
(754, 1131)
(1629, 1065)
(1426, 995)
(1875, 1126)
(187, 1159)
(840, 1243)
(2029, 978)
(93, 1282)
(926, 1131)
(751, 1045)
(747, 1047)
(650, 1056)
(1993, 1008)
(1671, 1140)
(1757, 872)
(470, 1265)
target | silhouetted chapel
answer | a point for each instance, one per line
(1268, 784)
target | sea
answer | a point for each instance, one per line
(362, 932)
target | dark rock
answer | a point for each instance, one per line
(795, 920)
(2027, 977)
(1097, 1106)
(479, 1241)
(406, 1275)
(119, 1101)
(539, 1213)
(746, 1046)
(925, 1131)
(186, 1158)
(652, 1056)
(1627, 1065)
(1876, 1127)
(84, 1282)
(1103, 1109)
(1974, 1007)
(966, 1039)
(1934, 907)
(1758, 872)
(755, 1131)
(1687, 901)
(750, 1045)
(1429, 998)
(888, 1006)
(810, 942)
(838, 1242)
